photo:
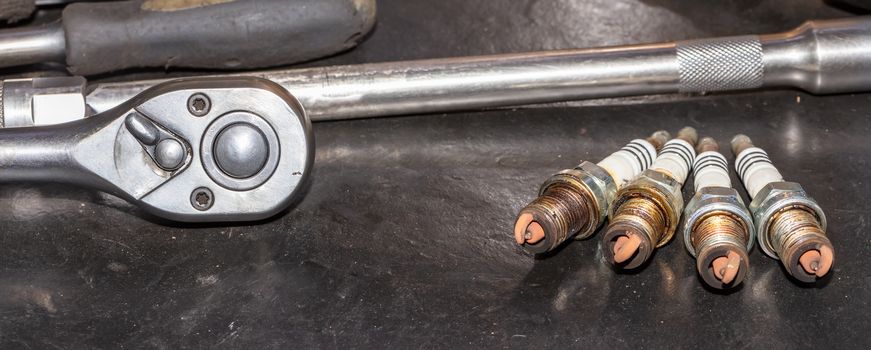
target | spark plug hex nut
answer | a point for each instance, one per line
(719, 233)
(662, 189)
(772, 199)
(650, 205)
(716, 199)
(594, 180)
(587, 180)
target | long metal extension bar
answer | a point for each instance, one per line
(821, 57)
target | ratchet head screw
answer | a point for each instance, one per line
(202, 198)
(199, 104)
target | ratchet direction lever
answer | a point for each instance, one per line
(201, 149)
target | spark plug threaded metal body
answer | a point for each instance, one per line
(646, 212)
(563, 208)
(790, 225)
(718, 228)
(574, 202)
(795, 231)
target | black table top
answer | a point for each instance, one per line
(403, 237)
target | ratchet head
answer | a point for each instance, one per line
(202, 149)
(249, 149)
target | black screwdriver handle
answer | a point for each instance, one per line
(210, 34)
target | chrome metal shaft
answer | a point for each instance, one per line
(31, 45)
(43, 154)
(827, 56)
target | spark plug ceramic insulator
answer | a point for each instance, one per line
(574, 202)
(646, 211)
(790, 225)
(710, 168)
(718, 228)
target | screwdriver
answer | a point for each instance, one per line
(101, 37)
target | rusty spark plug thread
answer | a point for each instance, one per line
(574, 202)
(646, 211)
(718, 228)
(790, 225)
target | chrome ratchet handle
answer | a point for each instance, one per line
(201, 149)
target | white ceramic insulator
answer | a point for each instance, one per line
(756, 170)
(625, 164)
(676, 159)
(711, 170)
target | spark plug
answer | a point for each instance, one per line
(645, 213)
(790, 225)
(718, 228)
(574, 202)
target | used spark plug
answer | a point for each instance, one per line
(790, 225)
(574, 202)
(645, 213)
(718, 228)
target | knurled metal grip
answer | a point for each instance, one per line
(731, 63)
(2, 119)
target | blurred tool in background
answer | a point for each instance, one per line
(100, 37)
(12, 11)
(857, 6)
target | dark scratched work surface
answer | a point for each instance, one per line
(403, 238)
